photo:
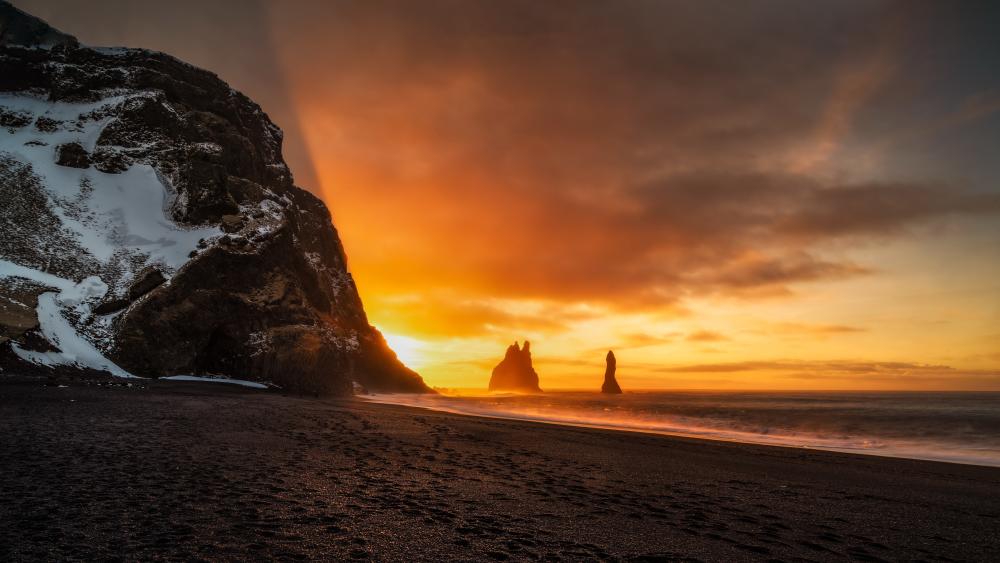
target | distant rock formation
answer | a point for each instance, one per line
(611, 386)
(515, 372)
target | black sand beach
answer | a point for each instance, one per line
(205, 471)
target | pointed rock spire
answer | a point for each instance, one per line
(610, 383)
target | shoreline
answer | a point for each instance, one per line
(387, 399)
(191, 470)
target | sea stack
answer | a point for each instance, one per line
(515, 372)
(611, 386)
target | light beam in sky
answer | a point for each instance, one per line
(408, 350)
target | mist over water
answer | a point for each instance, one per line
(944, 426)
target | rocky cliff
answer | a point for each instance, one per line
(515, 372)
(150, 227)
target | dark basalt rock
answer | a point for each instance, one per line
(231, 223)
(18, 28)
(73, 155)
(46, 124)
(109, 161)
(148, 279)
(17, 308)
(515, 372)
(12, 120)
(610, 385)
(272, 301)
(110, 306)
(34, 341)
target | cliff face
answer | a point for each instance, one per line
(515, 372)
(151, 227)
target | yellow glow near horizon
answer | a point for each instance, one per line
(409, 350)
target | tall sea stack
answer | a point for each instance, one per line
(515, 372)
(611, 386)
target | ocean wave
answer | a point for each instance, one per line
(951, 427)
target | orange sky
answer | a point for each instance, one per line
(729, 196)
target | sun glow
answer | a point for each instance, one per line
(408, 350)
(474, 219)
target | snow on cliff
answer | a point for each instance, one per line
(73, 350)
(118, 223)
(147, 217)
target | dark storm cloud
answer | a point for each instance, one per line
(618, 151)
(709, 233)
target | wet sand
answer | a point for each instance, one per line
(207, 471)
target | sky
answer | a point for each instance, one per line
(731, 195)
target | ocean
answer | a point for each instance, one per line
(959, 427)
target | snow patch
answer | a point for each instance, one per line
(120, 220)
(74, 350)
(111, 214)
(12, 270)
(242, 382)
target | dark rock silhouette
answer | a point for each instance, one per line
(515, 372)
(611, 386)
